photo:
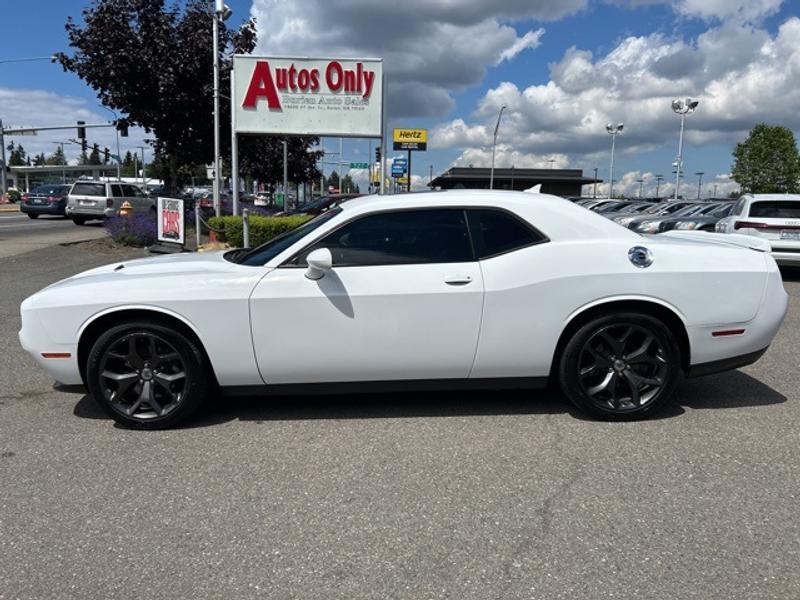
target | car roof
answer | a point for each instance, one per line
(555, 216)
(756, 197)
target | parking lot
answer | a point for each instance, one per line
(446, 495)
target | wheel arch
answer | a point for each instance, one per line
(658, 309)
(94, 327)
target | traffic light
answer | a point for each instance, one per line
(106, 155)
(122, 127)
(377, 154)
(81, 130)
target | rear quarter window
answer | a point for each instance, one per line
(775, 209)
(496, 232)
(89, 189)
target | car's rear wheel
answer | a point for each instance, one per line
(622, 366)
(79, 220)
(146, 375)
(33, 216)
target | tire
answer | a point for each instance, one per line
(32, 216)
(621, 367)
(147, 376)
(79, 220)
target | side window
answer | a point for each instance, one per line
(399, 238)
(497, 232)
(131, 191)
(739, 208)
(116, 191)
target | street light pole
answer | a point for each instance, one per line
(614, 130)
(3, 182)
(494, 147)
(641, 186)
(595, 183)
(699, 182)
(215, 50)
(682, 107)
(659, 178)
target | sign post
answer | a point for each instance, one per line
(410, 139)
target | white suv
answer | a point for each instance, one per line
(773, 217)
(89, 200)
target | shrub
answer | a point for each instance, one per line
(262, 229)
(138, 230)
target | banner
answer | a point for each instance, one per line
(171, 225)
(307, 96)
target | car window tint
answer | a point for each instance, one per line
(131, 191)
(723, 211)
(399, 238)
(496, 232)
(737, 210)
(116, 191)
(776, 209)
(89, 189)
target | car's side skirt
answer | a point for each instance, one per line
(369, 387)
(726, 364)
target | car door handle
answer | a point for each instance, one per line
(458, 280)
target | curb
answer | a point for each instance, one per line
(9, 208)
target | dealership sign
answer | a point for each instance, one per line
(170, 220)
(307, 96)
(410, 139)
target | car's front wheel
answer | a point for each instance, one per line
(146, 375)
(621, 366)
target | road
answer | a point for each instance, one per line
(19, 234)
(460, 496)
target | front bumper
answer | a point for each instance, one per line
(35, 341)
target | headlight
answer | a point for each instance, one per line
(686, 225)
(648, 226)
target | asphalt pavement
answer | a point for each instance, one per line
(461, 496)
(19, 233)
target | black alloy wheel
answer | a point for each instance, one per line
(621, 367)
(146, 376)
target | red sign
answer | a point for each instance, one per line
(265, 85)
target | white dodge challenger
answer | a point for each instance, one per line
(440, 290)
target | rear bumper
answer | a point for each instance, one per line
(42, 209)
(726, 364)
(786, 257)
(89, 213)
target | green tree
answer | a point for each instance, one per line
(57, 157)
(166, 51)
(261, 158)
(17, 156)
(94, 156)
(767, 161)
(39, 159)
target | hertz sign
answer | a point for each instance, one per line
(410, 139)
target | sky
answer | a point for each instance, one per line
(563, 69)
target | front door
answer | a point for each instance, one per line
(403, 301)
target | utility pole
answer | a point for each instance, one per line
(286, 176)
(221, 12)
(594, 195)
(659, 179)
(699, 182)
(3, 182)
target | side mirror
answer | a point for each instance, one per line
(319, 262)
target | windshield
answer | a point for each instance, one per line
(50, 189)
(776, 209)
(258, 257)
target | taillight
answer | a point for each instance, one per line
(25, 197)
(109, 203)
(52, 199)
(750, 225)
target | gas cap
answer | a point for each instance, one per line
(640, 256)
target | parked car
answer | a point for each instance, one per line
(47, 199)
(449, 290)
(660, 209)
(771, 217)
(615, 206)
(88, 200)
(630, 210)
(658, 224)
(701, 221)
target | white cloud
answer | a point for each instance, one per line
(741, 75)
(532, 39)
(737, 10)
(431, 48)
(719, 186)
(32, 107)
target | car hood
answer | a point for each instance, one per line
(160, 266)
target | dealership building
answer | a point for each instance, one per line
(560, 182)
